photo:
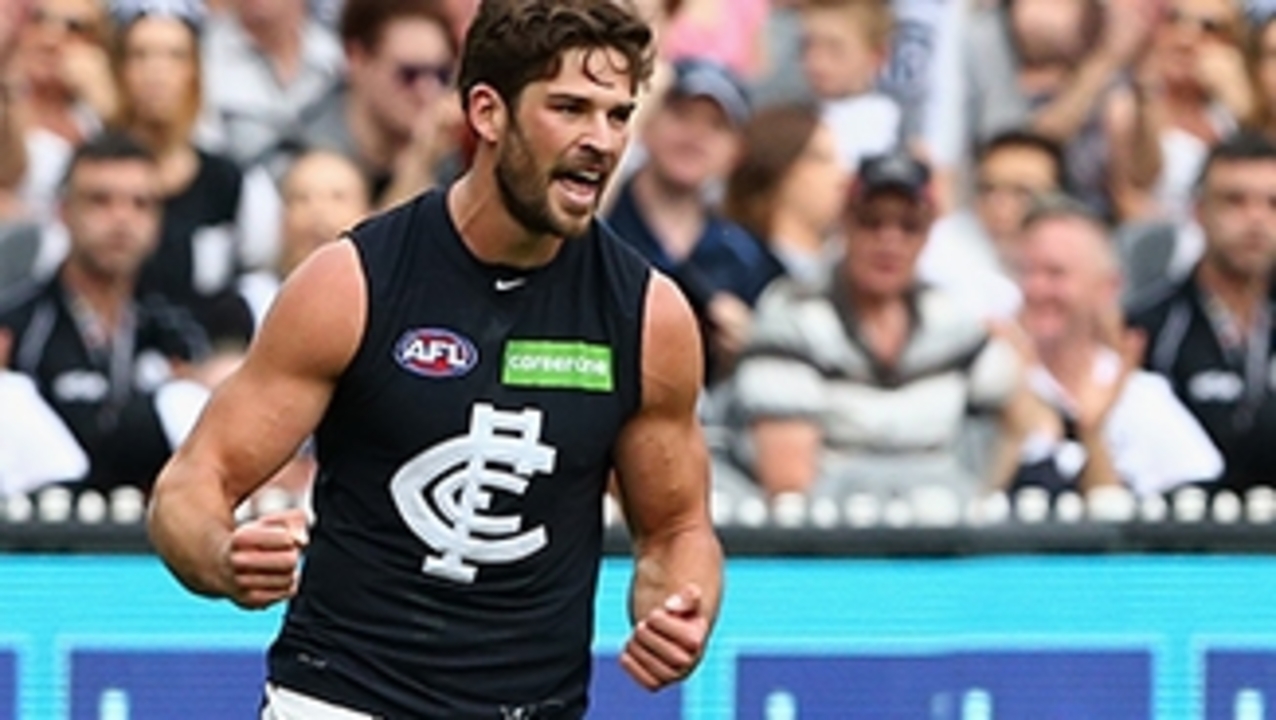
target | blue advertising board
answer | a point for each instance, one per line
(1047, 685)
(1102, 636)
(8, 685)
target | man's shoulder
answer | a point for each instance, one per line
(18, 303)
(1150, 307)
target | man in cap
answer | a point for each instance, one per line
(863, 384)
(664, 210)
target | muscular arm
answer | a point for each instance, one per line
(256, 420)
(663, 478)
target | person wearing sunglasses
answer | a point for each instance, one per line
(863, 384)
(1193, 88)
(55, 88)
(396, 116)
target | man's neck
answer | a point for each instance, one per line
(106, 297)
(1241, 295)
(676, 215)
(376, 148)
(488, 230)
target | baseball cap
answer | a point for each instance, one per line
(896, 171)
(700, 77)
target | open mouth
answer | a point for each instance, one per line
(582, 187)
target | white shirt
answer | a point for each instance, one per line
(863, 125)
(36, 448)
(1154, 441)
(960, 259)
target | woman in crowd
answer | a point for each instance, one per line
(788, 188)
(217, 219)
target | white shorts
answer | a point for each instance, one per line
(285, 704)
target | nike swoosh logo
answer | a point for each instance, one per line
(507, 285)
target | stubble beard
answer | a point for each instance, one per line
(524, 191)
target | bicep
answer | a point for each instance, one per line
(260, 415)
(662, 465)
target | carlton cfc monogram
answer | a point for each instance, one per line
(443, 492)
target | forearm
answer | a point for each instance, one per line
(1145, 147)
(190, 522)
(1062, 117)
(667, 563)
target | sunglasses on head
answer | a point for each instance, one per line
(78, 26)
(409, 74)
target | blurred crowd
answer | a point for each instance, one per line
(966, 245)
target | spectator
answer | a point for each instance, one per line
(972, 253)
(1212, 333)
(264, 64)
(62, 81)
(1193, 90)
(1096, 419)
(94, 351)
(216, 219)
(324, 194)
(1050, 65)
(845, 46)
(864, 383)
(397, 117)
(788, 187)
(691, 140)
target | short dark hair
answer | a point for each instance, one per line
(1029, 140)
(1242, 146)
(363, 22)
(109, 146)
(513, 43)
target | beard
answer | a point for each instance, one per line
(524, 189)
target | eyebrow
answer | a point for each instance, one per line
(558, 97)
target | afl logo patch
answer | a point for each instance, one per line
(435, 353)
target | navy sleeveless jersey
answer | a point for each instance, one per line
(463, 460)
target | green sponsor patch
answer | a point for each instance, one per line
(556, 364)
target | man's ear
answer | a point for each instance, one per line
(487, 113)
